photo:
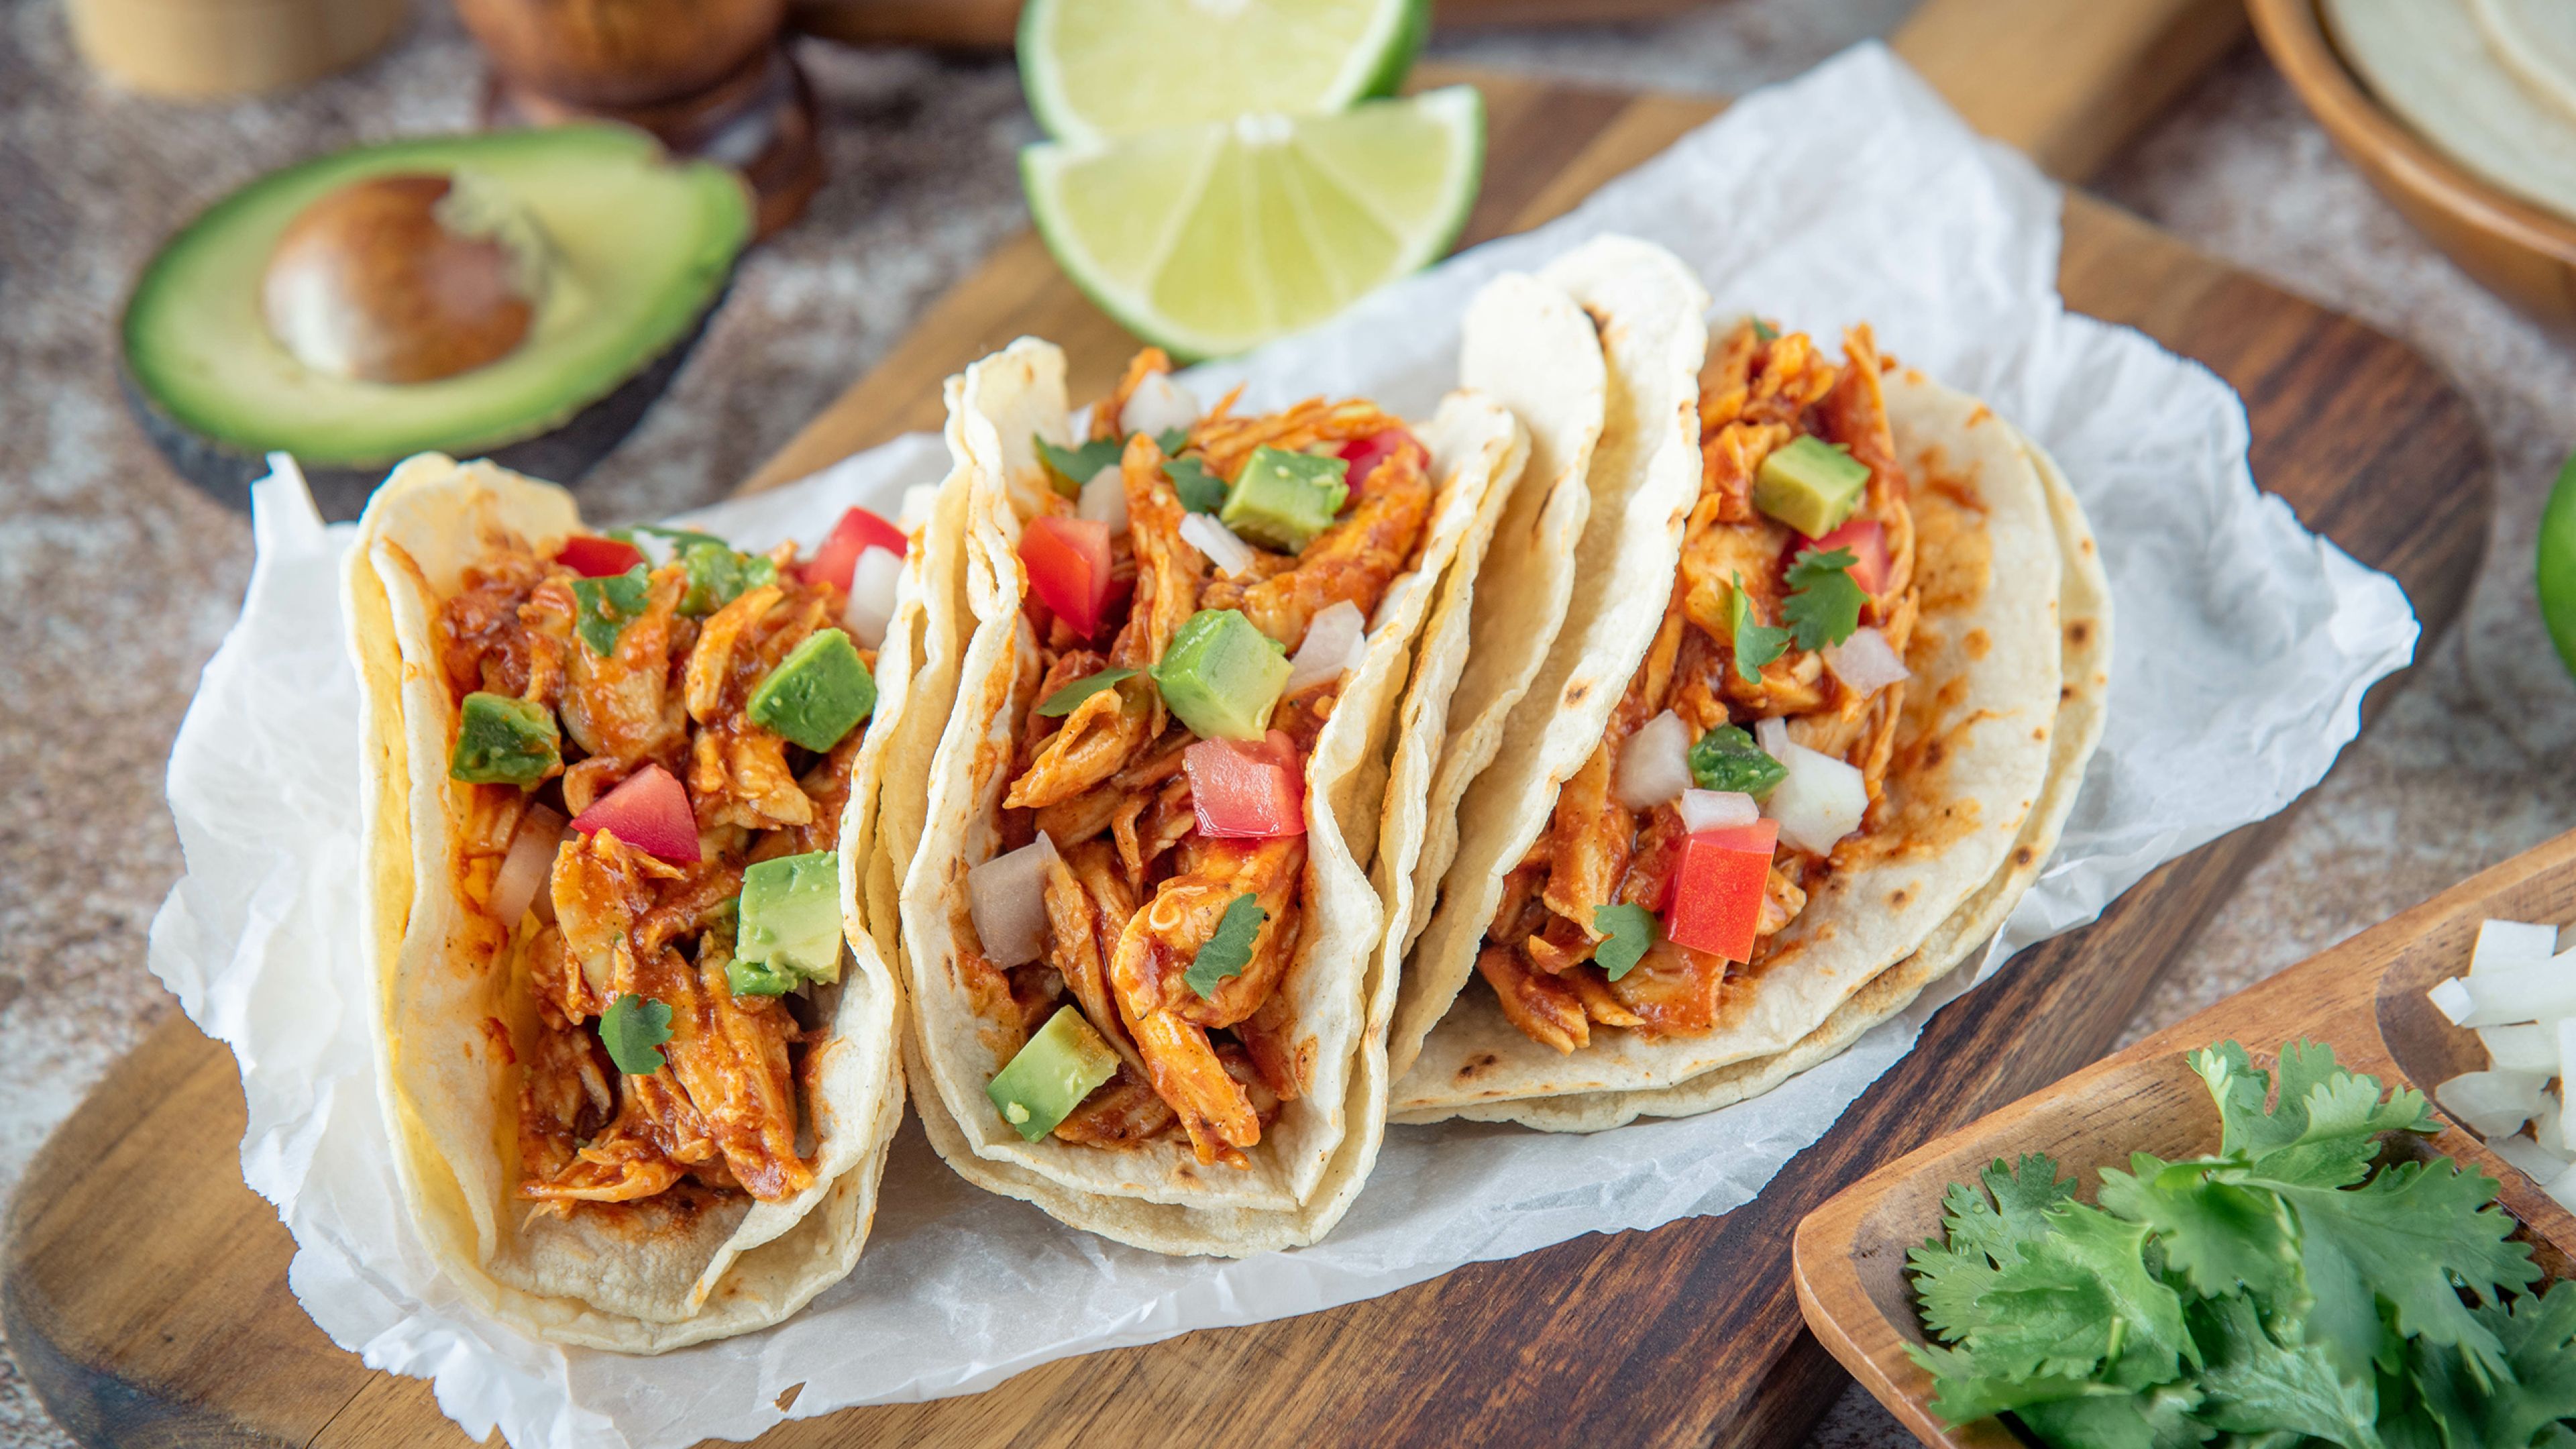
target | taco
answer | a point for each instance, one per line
(621, 802)
(1802, 725)
(1180, 795)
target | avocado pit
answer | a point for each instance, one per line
(403, 278)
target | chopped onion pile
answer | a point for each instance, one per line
(1820, 802)
(1717, 810)
(874, 582)
(1865, 663)
(1654, 763)
(1104, 499)
(1772, 735)
(530, 863)
(1230, 554)
(1335, 641)
(1007, 897)
(1158, 405)
(2520, 997)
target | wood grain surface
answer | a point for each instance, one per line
(143, 1286)
(2364, 998)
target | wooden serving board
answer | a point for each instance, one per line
(144, 1288)
(2364, 998)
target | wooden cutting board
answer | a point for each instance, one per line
(2364, 998)
(143, 1287)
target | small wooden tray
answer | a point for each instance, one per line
(2364, 998)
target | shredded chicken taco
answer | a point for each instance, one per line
(637, 1033)
(1801, 715)
(1182, 793)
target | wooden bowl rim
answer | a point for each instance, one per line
(2295, 37)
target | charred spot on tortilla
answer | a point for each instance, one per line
(2022, 855)
(1898, 897)
(2079, 633)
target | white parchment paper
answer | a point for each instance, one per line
(2244, 647)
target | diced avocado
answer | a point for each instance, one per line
(818, 693)
(641, 244)
(1810, 485)
(791, 923)
(1282, 500)
(718, 576)
(1065, 1062)
(504, 740)
(1221, 675)
(1726, 758)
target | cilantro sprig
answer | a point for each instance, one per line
(605, 605)
(1756, 643)
(1627, 933)
(1064, 701)
(1228, 949)
(1823, 606)
(632, 1028)
(1070, 468)
(2282, 1290)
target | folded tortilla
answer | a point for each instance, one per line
(649, 1275)
(1981, 771)
(1364, 786)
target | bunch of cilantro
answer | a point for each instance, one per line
(2281, 1293)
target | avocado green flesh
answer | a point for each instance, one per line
(817, 694)
(1809, 485)
(1282, 500)
(1065, 1062)
(644, 247)
(791, 921)
(1222, 676)
(504, 740)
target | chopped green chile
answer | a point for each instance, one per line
(504, 740)
(1726, 758)
(604, 606)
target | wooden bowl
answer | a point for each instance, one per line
(2364, 998)
(2519, 251)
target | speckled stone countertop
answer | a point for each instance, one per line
(119, 579)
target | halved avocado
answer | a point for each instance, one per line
(642, 247)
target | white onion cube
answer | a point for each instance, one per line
(1717, 810)
(1104, 499)
(2527, 1048)
(2492, 1104)
(1007, 897)
(1158, 405)
(875, 582)
(2528, 1157)
(1865, 662)
(1821, 800)
(2547, 1126)
(2509, 994)
(1772, 735)
(1230, 555)
(2450, 996)
(1654, 763)
(2512, 943)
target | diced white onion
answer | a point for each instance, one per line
(2512, 943)
(1158, 405)
(1717, 810)
(1772, 735)
(1104, 498)
(1335, 640)
(2528, 1048)
(2533, 1160)
(2509, 994)
(2450, 996)
(528, 866)
(1654, 763)
(1864, 662)
(874, 582)
(1821, 800)
(919, 501)
(2493, 1104)
(656, 549)
(1230, 554)
(2547, 1125)
(1007, 897)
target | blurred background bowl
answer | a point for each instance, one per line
(2516, 250)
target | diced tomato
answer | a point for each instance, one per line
(1717, 891)
(1069, 567)
(1247, 791)
(1364, 454)
(1867, 540)
(856, 533)
(650, 812)
(593, 557)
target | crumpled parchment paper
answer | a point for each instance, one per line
(1853, 193)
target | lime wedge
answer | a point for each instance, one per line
(1212, 239)
(1096, 69)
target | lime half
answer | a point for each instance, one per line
(1212, 239)
(2555, 575)
(1096, 69)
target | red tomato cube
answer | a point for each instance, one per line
(1247, 791)
(1867, 540)
(856, 533)
(593, 557)
(649, 811)
(1364, 454)
(1717, 889)
(1068, 565)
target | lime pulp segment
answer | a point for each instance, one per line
(1212, 239)
(1100, 69)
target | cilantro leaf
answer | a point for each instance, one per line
(2085, 1289)
(2255, 1385)
(1063, 701)
(2159, 1418)
(1172, 440)
(2539, 1336)
(1200, 491)
(1229, 947)
(2216, 1234)
(1951, 1277)
(1756, 643)
(631, 1028)
(605, 605)
(1765, 330)
(1070, 468)
(1628, 931)
(1824, 605)
(1961, 1392)
(2326, 1128)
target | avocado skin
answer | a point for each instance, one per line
(562, 454)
